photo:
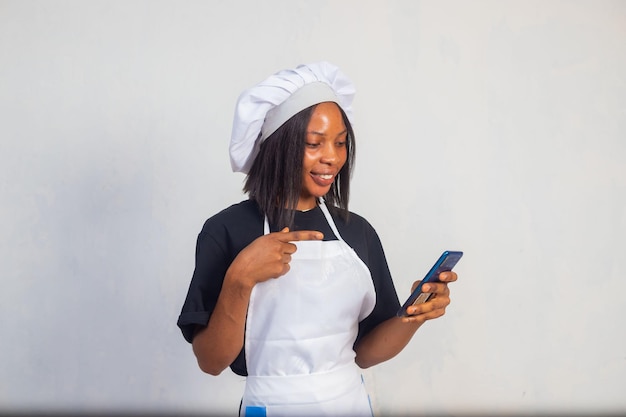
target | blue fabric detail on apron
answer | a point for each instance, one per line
(255, 411)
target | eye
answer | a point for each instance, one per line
(312, 145)
(340, 144)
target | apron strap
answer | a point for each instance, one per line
(329, 219)
(266, 226)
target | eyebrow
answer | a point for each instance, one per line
(313, 132)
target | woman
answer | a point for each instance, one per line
(291, 289)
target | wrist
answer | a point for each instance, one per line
(237, 283)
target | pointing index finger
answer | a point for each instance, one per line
(300, 235)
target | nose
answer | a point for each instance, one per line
(329, 153)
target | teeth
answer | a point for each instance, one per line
(325, 176)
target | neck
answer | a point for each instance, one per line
(306, 204)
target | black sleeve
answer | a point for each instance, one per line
(212, 261)
(387, 303)
(222, 237)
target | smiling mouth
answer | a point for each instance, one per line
(323, 180)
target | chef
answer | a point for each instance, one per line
(290, 288)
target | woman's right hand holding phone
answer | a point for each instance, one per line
(436, 306)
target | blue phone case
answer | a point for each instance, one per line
(445, 263)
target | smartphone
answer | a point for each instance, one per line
(445, 263)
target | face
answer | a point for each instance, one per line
(325, 153)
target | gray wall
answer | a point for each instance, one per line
(493, 127)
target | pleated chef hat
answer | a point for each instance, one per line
(262, 109)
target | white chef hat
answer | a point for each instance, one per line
(262, 109)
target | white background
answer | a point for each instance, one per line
(493, 127)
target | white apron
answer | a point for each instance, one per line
(300, 332)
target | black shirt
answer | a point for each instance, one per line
(231, 230)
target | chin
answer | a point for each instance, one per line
(320, 194)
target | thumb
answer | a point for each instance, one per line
(285, 230)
